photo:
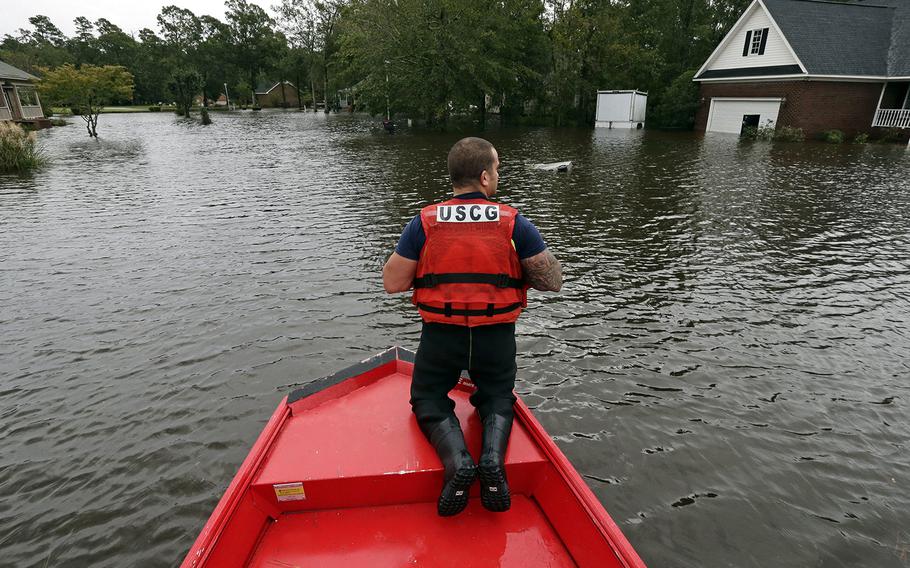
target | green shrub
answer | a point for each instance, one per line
(765, 132)
(789, 134)
(206, 119)
(834, 136)
(154, 109)
(676, 107)
(58, 122)
(861, 138)
(18, 149)
(891, 135)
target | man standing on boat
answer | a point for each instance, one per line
(470, 261)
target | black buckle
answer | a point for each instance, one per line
(429, 280)
(502, 280)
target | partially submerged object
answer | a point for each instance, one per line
(555, 166)
(621, 109)
(342, 476)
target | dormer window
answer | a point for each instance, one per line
(757, 36)
(755, 42)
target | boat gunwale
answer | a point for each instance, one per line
(211, 532)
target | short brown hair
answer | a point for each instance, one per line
(468, 158)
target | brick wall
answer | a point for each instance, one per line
(814, 106)
(276, 99)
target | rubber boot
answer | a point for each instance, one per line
(460, 470)
(494, 488)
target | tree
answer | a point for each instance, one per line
(436, 57)
(184, 85)
(42, 46)
(181, 31)
(86, 90)
(254, 43)
(297, 20)
(82, 45)
(114, 45)
(151, 68)
(677, 106)
(213, 57)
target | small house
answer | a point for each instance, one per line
(19, 101)
(813, 65)
(621, 109)
(282, 94)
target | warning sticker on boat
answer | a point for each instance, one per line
(289, 491)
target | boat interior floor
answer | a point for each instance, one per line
(413, 535)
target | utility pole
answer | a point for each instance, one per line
(387, 107)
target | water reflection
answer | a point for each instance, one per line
(724, 366)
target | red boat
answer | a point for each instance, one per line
(342, 476)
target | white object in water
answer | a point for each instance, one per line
(621, 109)
(555, 166)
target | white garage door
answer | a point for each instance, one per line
(729, 115)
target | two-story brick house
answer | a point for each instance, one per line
(811, 64)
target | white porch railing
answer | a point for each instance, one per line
(5, 114)
(892, 118)
(29, 112)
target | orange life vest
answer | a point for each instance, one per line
(469, 272)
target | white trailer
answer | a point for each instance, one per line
(621, 109)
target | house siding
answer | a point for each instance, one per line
(276, 99)
(731, 54)
(814, 106)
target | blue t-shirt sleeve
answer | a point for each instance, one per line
(527, 239)
(412, 240)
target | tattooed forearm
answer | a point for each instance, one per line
(543, 272)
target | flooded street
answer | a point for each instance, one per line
(726, 364)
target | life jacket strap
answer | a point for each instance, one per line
(489, 311)
(431, 280)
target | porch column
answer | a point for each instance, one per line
(15, 103)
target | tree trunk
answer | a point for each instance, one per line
(483, 110)
(313, 88)
(325, 93)
(297, 86)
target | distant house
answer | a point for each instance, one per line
(282, 94)
(19, 101)
(813, 65)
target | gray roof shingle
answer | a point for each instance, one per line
(7, 71)
(838, 38)
(899, 56)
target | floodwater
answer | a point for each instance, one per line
(726, 364)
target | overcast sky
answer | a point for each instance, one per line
(130, 16)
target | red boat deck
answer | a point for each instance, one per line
(342, 476)
(413, 535)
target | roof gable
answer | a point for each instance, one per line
(729, 60)
(851, 38)
(267, 87)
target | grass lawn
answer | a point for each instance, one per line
(114, 109)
